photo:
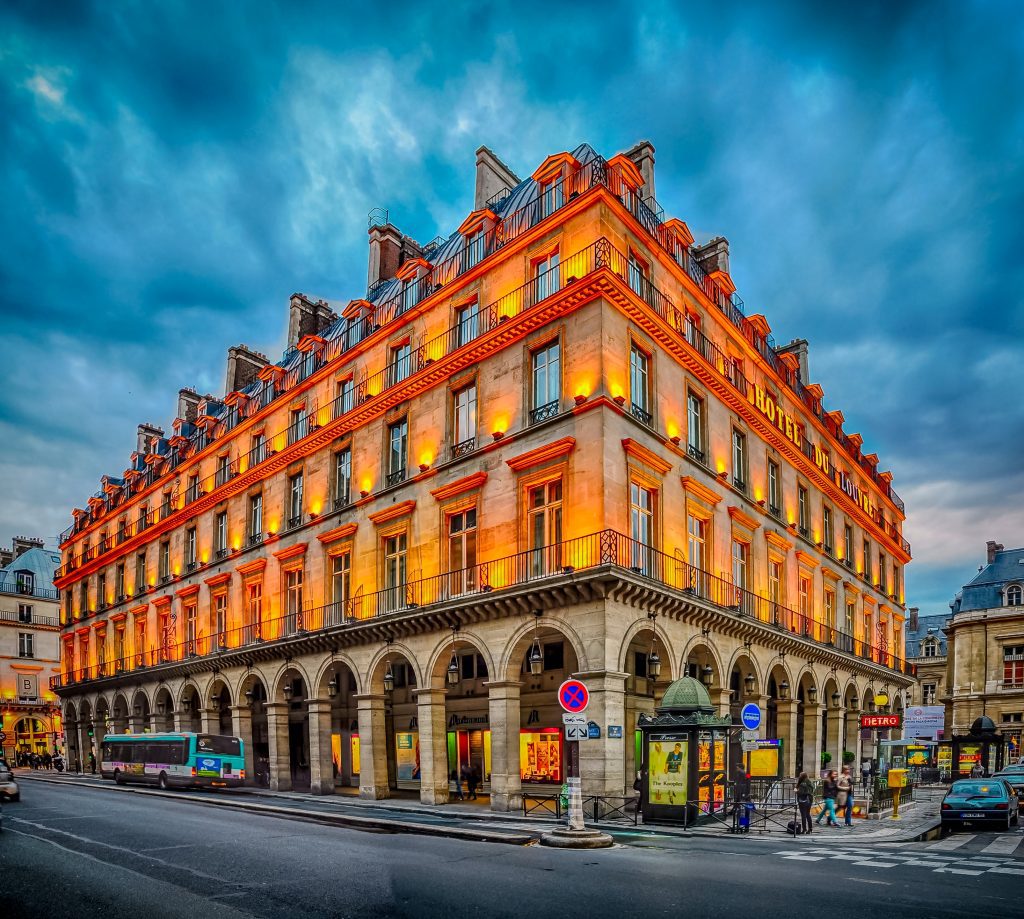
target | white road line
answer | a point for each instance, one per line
(1005, 871)
(871, 864)
(1003, 845)
(805, 858)
(957, 871)
(952, 842)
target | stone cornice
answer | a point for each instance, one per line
(459, 486)
(393, 512)
(647, 457)
(699, 490)
(543, 454)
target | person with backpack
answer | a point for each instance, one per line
(829, 792)
(804, 797)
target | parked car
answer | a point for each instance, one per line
(9, 790)
(980, 801)
(1013, 776)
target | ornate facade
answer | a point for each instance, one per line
(550, 444)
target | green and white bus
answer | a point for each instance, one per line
(176, 760)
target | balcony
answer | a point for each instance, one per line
(254, 539)
(544, 412)
(395, 478)
(222, 552)
(294, 521)
(463, 448)
(342, 501)
(695, 453)
(605, 551)
(641, 414)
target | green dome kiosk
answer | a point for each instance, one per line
(685, 749)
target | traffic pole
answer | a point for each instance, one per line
(574, 782)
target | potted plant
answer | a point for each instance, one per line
(826, 758)
(848, 757)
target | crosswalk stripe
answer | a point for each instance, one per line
(952, 842)
(1006, 871)
(1003, 845)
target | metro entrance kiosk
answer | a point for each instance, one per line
(684, 756)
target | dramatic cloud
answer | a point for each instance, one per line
(172, 172)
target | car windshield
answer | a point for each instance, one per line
(976, 789)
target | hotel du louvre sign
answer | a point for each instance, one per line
(793, 431)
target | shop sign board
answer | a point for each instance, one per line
(573, 696)
(880, 721)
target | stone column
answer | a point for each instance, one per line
(433, 726)
(762, 703)
(241, 725)
(373, 748)
(635, 706)
(812, 739)
(787, 714)
(99, 732)
(209, 721)
(505, 719)
(834, 737)
(321, 776)
(853, 741)
(721, 699)
(603, 762)
(181, 717)
(277, 730)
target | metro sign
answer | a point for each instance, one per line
(879, 721)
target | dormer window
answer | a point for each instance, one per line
(552, 196)
(1014, 595)
(930, 648)
(474, 247)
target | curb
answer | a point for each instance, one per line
(343, 820)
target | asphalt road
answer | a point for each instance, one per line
(77, 851)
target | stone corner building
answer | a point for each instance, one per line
(985, 649)
(551, 443)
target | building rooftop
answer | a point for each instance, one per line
(41, 564)
(928, 626)
(986, 590)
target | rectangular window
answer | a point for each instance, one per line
(928, 694)
(395, 550)
(640, 385)
(297, 424)
(140, 642)
(848, 545)
(1013, 665)
(254, 611)
(467, 323)
(192, 492)
(221, 534)
(546, 381)
(830, 607)
(398, 450)
(462, 551)
(293, 600)
(258, 449)
(883, 573)
(897, 587)
(140, 573)
(740, 553)
(546, 277)
(143, 517)
(474, 248)
(119, 648)
(295, 500)
(190, 549)
(851, 616)
(695, 428)
(696, 539)
(828, 533)
(220, 619)
(552, 197)
(637, 274)
(255, 519)
(805, 596)
(119, 581)
(341, 587)
(544, 513)
(739, 459)
(400, 365)
(866, 559)
(775, 584)
(803, 510)
(464, 419)
(343, 477)
(25, 644)
(344, 397)
(165, 506)
(191, 627)
(101, 589)
(641, 523)
(223, 471)
(410, 293)
(774, 490)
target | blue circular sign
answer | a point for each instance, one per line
(751, 716)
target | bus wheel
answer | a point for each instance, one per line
(118, 778)
(162, 782)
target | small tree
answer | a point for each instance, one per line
(826, 758)
(848, 757)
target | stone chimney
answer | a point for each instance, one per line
(713, 255)
(798, 346)
(188, 405)
(21, 544)
(914, 618)
(385, 253)
(307, 317)
(492, 177)
(243, 365)
(991, 548)
(643, 155)
(148, 435)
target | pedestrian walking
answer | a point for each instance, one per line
(457, 782)
(865, 772)
(845, 796)
(472, 782)
(92, 762)
(804, 797)
(466, 774)
(829, 790)
(977, 771)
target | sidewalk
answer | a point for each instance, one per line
(475, 820)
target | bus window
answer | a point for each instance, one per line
(217, 743)
(139, 751)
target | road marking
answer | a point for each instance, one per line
(952, 842)
(870, 881)
(878, 864)
(1003, 845)
(957, 871)
(805, 858)
(1005, 871)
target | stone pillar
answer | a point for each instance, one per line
(99, 732)
(721, 699)
(209, 721)
(812, 739)
(241, 725)
(635, 706)
(277, 730)
(603, 762)
(834, 737)
(762, 703)
(373, 748)
(155, 722)
(853, 741)
(321, 776)
(181, 717)
(505, 719)
(787, 715)
(433, 726)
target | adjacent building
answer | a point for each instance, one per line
(985, 659)
(29, 649)
(550, 443)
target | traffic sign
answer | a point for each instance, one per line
(576, 732)
(573, 696)
(748, 735)
(572, 720)
(748, 746)
(751, 716)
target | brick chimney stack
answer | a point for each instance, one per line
(991, 548)
(147, 437)
(798, 346)
(243, 365)
(188, 405)
(307, 317)
(914, 618)
(492, 177)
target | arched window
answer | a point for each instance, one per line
(930, 648)
(1015, 595)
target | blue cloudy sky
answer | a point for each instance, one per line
(172, 172)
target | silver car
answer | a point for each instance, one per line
(9, 790)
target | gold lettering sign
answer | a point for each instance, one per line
(788, 426)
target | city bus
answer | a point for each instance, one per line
(174, 760)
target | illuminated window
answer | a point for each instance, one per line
(119, 648)
(398, 451)
(191, 622)
(344, 397)
(221, 533)
(546, 279)
(341, 586)
(552, 197)
(546, 381)
(464, 418)
(400, 365)
(695, 427)
(343, 477)
(466, 323)
(774, 490)
(190, 548)
(739, 459)
(462, 551)
(803, 510)
(1014, 595)
(254, 610)
(220, 618)
(544, 522)
(295, 484)
(293, 599)
(828, 533)
(140, 639)
(641, 527)
(255, 518)
(640, 384)
(395, 552)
